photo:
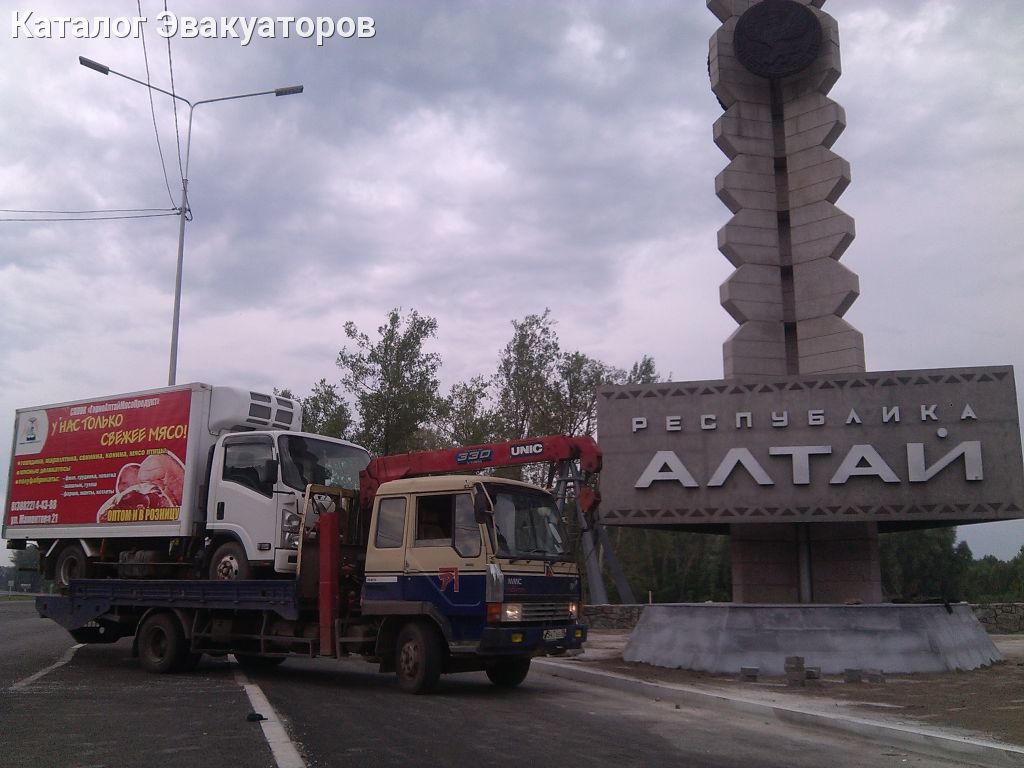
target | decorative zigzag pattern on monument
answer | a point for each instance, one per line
(949, 513)
(789, 292)
(852, 382)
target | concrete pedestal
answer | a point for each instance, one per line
(723, 637)
(805, 563)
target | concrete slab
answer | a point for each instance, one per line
(722, 638)
(931, 741)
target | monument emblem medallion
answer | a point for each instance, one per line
(777, 38)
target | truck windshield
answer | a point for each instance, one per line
(306, 460)
(527, 524)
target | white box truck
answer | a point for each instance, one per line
(182, 482)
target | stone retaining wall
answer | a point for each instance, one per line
(612, 616)
(1001, 618)
(996, 618)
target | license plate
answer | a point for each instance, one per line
(554, 634)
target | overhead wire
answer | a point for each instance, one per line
(152, 106)
(95, 218)
(110, 214)
(91, 210)
(177, 133)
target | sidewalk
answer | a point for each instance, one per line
(976, 716)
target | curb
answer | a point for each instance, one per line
(922, 740)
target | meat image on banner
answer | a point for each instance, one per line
(110, 461)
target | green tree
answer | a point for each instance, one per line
(674, 566)
(394, 382)
(324, 411)
(643, 372)
(543, 390)
(574, 392)
(525, 379)
(991, 580)
(466, 416)
(923, 564)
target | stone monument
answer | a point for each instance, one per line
(798, 453)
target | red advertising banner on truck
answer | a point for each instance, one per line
(114, 461)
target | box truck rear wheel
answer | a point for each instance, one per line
(229, 563)
(162, 644)
(71, 564)
(508, 673)
(418, 658)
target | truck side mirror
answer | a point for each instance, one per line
(266, 476)
(481, 507)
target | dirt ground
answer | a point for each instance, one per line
(987, 702)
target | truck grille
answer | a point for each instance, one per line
(558, 611)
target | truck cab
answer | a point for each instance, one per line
(256, 491)
(487, 559)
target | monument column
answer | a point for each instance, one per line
(772, 64)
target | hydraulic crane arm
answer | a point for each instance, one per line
(556, 448)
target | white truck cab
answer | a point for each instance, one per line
(256, 489)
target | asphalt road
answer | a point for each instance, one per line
(101, 709)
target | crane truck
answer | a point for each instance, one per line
(424, 570)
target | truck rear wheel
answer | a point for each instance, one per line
(418, 658)
(508, 673)
(71, 564)
(229, 563)
(162, 645)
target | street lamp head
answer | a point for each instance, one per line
(103, 69)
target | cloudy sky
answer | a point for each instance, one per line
(481, 161)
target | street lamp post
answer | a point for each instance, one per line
(105, 70)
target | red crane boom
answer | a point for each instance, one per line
(531, 450)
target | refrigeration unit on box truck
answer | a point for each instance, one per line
(184, 481)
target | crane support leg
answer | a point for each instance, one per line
(594, 539)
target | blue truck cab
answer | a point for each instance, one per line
(483, 564)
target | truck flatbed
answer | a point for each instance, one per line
(88, 599)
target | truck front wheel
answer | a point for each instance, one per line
(71, 564)
(229, 563)
(162, 645)
(508, 673)
(418, 658)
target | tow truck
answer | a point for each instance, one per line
(425, 570)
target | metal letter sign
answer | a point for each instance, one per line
(891, 446)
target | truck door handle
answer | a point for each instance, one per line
(220, 510)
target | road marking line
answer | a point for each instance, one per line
(68, 654)
(286, 755)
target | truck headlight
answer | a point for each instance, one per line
(574, 610)
(291, 521)
(504, 612)
(290, 540)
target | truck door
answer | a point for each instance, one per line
(444, 562)
(244, 500)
